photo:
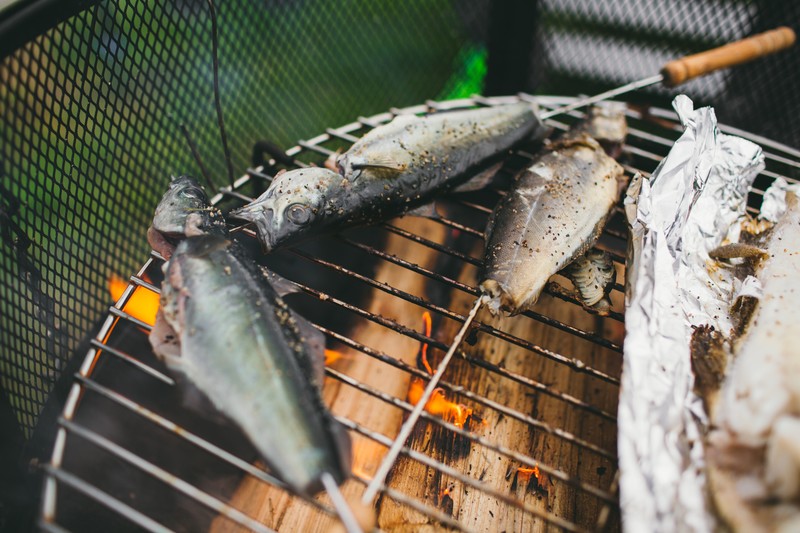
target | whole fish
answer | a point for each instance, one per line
(392, 169)
(754, 455)
(553, 213)
(184, 210)
(225, 330)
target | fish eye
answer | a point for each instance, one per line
(299, 214)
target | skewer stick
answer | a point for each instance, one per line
(408, 426)
(681, 70)
(340, 504)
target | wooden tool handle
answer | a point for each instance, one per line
(682, 70)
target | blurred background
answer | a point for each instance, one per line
(94, 96)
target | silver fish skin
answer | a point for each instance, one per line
(553, 213)
(232, 337)
(184, 210)
(393, 168)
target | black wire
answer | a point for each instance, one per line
(196, 155)
(217, 102)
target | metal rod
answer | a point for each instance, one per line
(105, 499)
(217, 102)
(628, 87)
(342, 508)
(132, 360)
(459, 476)
(408, 426)
(165, 477)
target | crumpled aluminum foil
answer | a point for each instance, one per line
(691, 204)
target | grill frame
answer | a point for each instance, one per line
(54, 473)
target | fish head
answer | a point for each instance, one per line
(298, 204)
(185, 197)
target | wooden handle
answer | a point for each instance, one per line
(682, 70)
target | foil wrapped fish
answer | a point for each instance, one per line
(391, 170)
(692, 204)
(184, 210)
(552, 215)
(754, 452)
(224, 329)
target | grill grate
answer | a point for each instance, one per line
(122, 412)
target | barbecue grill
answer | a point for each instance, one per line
(542, 387)
(93, 111)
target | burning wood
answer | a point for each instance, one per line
(457, 413)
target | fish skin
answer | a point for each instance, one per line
(227, 331)
(393, 168)
(183, 210)
(553, 213)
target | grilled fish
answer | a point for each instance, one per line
(392, 169)
(227, 332)
(184, 210)
(553, 213)
(755, 451)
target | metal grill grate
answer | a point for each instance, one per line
(129, 452)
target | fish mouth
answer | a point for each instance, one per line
(262, 218)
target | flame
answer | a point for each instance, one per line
(453, 412)
(426, 323)
(524, 474)
(143, 303)
(331, 356)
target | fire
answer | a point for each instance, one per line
(426, 322)
(524, 474)
(453, 412)
(331, 356)
(143, 303)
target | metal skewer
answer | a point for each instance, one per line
(681, 70)
(340, 504)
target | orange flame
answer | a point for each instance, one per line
(524, 474)
(331, 356)
(143, 303)
(453, 412)
(426, 322)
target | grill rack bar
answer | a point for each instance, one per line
(344, 133)
(165, 477)
(551, 471)
(397, 402)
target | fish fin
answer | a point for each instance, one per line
(281, 285)
(480, 180)
(383, 164)
(165, 340)
(314, 342)
(425, 211)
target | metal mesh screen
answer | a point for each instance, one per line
(92, 113)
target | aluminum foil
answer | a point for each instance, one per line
(692, 203)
